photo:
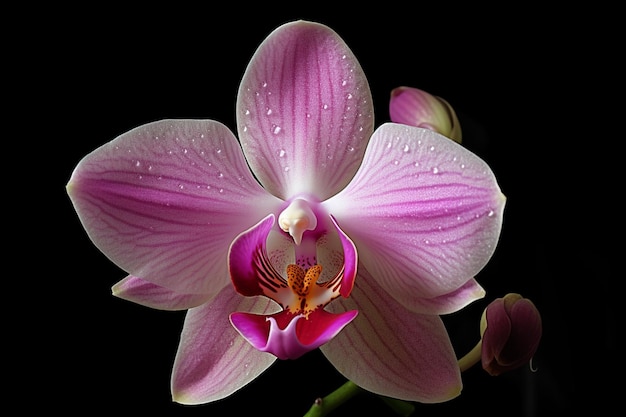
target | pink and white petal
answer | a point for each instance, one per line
(164, 200)
(391, 351)
(213, 360)
(304, 111)
(151, 295)
(432, 209)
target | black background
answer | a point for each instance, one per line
(533, 89)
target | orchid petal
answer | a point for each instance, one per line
(391, 351)
(304, 111)
(250, 270)
(213, 360)
(432, 212)
(164, 200)
(151, 295)
(290, 336)
(350, 260)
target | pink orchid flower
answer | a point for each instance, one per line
(273, 243)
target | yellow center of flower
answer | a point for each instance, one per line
(301, 283)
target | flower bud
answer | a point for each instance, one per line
(510, 328)
(415, 107)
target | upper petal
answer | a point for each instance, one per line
(391, 351)
(304, 111)
(164, 200)
(213, 360)
(424, 212)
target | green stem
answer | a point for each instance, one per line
(472, 357)
(322, 406)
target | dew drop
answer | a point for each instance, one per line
(396, 162)
(137, 164)
(281, 153)
(349, 96)
(286, 169)
(181, 186)
(435, 170)
(220, 175)
(406, 148)
(491, 213)
(325, 106)
(432, 148)
(276, 129)
(269, 111)
(150, 168)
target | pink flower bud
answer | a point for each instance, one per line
(415, 107)
(511, 330)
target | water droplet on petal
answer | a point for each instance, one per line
(281, 153)
(435, 170)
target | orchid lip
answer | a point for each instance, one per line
(301, 295)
